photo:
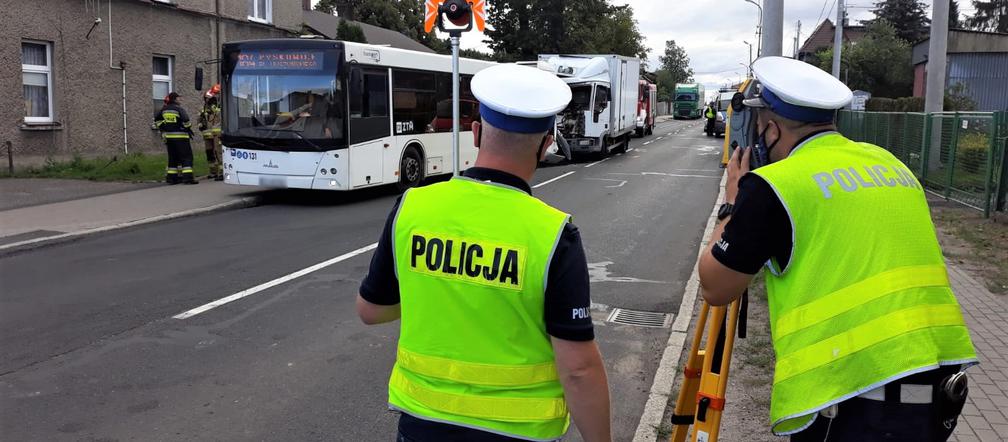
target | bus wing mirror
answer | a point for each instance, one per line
(199, 78)
(736, 102)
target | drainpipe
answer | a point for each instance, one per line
(121, 68)
(217, 37)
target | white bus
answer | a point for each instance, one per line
(323, 114)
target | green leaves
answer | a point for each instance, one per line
(523, 29)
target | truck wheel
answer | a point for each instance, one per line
(624, 144)
(639, 133)
(410, 169)
(605, 147)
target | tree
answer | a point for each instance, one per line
(906, 16)
(472, 53)
(348, 31)
(954, 22)
(523, 29)
(674, 68)
(403, 16)
(879, 63)
(990, 16)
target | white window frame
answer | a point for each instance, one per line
(265, 17)
(164, 78)
(47, 70)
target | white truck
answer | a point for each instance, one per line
(602, 113)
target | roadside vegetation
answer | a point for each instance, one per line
(977, 244)
(134, 167)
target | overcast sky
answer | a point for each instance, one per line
(713, 31)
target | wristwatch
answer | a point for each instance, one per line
(725, 211)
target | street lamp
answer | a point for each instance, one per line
(759, 28)
(750, 56)
(748, 68)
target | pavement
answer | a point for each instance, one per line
(103, 206)
(240, 324)
(24, 192)
(985, 416)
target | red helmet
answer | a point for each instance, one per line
(214, 91)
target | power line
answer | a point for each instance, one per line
(821, 10)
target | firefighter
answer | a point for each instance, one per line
(173, 122)
(709, 114)
(210, 127)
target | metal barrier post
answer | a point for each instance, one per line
(990, 166)
(952, 155)
(925, 148)
(1001, 134)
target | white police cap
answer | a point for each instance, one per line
(797, 90)
(520, 98)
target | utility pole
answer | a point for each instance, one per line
(838, 38)
(773, 28)
(934, 93)
(797, 37)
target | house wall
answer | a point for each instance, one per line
(87, 93)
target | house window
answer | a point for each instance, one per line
(36, 76)
(162, 78)
(261, 11)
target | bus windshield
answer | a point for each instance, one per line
(284, 99)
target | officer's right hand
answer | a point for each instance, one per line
(738, 166)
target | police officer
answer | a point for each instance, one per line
(210, 126)
(491, 286)
(173, 122)
(869, 338)
(709, 115)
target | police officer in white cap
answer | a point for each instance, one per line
(869, 338)
(491, 286)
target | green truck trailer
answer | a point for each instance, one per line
(688, 101)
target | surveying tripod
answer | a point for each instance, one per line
(705, 378)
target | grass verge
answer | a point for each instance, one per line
(980, 245)
(134, 167)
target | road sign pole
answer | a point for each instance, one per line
(455, 102)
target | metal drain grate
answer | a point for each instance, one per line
(639, 318)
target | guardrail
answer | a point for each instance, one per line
(960, 156)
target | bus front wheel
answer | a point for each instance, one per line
(410, 169)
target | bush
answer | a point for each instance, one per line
(880, 104)
(971, 152)
(910, 104)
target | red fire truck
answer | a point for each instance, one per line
(646, 99)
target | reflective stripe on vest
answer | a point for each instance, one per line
(175, 135)
(473, 347)
(865, 297)
(474, 373)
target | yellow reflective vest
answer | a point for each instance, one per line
(471, 258)
(864, 298)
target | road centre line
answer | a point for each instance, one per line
(551, 180)
(648, 142)
(273, 283)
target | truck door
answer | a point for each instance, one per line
(370, 128)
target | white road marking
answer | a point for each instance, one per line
(621, 182)
(648, 142)
(551, 180)
(631, 149)
(599, 161)
(668, 368)
(656, 139)
(599, 272)
(273, 283)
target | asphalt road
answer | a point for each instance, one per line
(91, 349)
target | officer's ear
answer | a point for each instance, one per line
(547, 142)
(476, 130)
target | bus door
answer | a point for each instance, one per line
(370, 129)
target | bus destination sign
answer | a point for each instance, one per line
(281, 60)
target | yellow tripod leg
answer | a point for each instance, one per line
(714, 377)
(685, 408)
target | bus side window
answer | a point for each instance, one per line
(369, 113)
